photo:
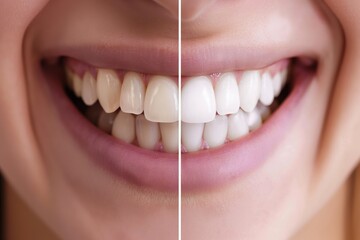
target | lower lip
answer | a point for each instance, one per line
(203, 170)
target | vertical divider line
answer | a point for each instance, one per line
(179, 125)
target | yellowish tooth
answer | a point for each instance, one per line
(161, 100)
(169, 136)
(77, 85)
(147, 133)
(108, 90)
(69, 77)
(88, 91)
(105, 121)
(132, 93)
(124, 127)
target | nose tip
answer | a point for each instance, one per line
(170, 5)
(191, 9)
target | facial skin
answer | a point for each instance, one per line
(52, 175)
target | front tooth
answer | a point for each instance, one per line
(132, 93)
(249, 90)
(238, 126)
(108, 90)
(227, 94)
(169, 136)
(105, 121)
(191, 136)
(88, 91)
(277, 82)
(267, 90)
(147, 133)
(198, 101)
(161, 100)
(253, 120)
(124, 127)
(77, 85)
(215, 131)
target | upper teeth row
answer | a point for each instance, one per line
(201, 98)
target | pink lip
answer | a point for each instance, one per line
(202, 170)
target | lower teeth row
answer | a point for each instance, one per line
(137, 130)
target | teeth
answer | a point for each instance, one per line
(267, 90)
(198, 101)
(77, 82)
(161, 100)
(227, 94)
(249, 90)
(277, 82)
(132, 94)
(211, 114)
(108, 90)
(191, 136)
(238, 126)
(147, 133)
(215, 131)
(106, 121)
(124, 127)
(169, 136)
(253, 120)
(88, 91)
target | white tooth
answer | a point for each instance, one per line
(253, 120)
(108, 90)
(238, 126)
(161, 100)
(106, 120)
(132, 93)
(215, 131)
(169, 136)
(267, 90)
(277, 84)
(124, 127)
(191, 136)
(88, 91)
(264, 111)
(77, 85)
(147, 133)
(198, 101)
(284, 76)
(227, 94)
(249, 90)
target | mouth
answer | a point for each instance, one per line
(128, 120)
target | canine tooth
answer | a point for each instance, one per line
(227, 94)
(284, 76)
(169, 136)
(77, 85)
(249, 90)
(161, 100)
(264, 111)
(108, 90)
(69, 77)
(147, 133)
(267, 90)
(191, 136)
(105, 121)
(132, 94)
(215, 131)
(277, 84)
(237, 125)
(253, 120)
(88, 91)
(124, 127)
(198, 100)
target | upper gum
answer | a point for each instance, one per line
(80, 68)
